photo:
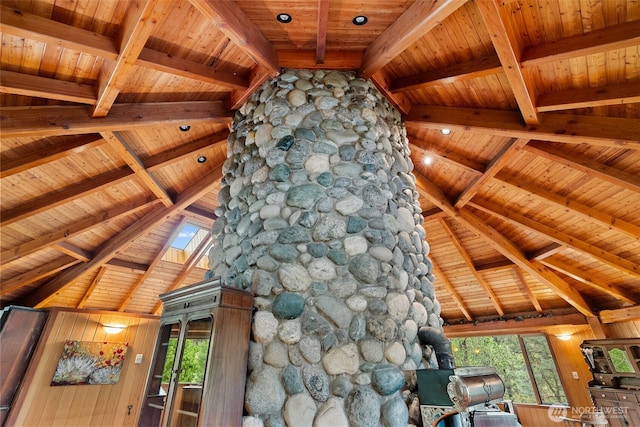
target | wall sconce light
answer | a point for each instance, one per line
(114, 328)
(564, 337)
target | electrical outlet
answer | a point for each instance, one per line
(575, 375)
(139, 359)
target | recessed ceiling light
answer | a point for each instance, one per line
(428, 160)
(202, 159)
(360, 20)
(284, 18)
(184, 128)
(445, 131)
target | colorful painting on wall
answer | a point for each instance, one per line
(85, 362)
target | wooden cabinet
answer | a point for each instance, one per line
(615, 388)
(20, 330)
(198, 372)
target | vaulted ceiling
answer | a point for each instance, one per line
(531, 203)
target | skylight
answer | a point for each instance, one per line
(185, 236)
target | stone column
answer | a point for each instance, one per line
(319, 218)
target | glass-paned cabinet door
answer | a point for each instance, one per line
(175, 386)
(160, 376)
(192, 368)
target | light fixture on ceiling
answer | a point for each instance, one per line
(284, 18)
(202, 159)
(113, 328)
(445, 131)
(360, 20)
(428, 160)
(564, 337)
(184, 128)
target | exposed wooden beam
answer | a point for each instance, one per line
(590, 97)
(592, 280)
(236, 25)
(74, 229)
(321, 37)
(585, 165)
(616, 37)
(191, 262)
(399, 100)
(451, 290)
(141, 280)
(43, 156)
(139, 21)
(119, 143)
(459, 160)
(92, 287)
(217, 140)
(333, 59)
(73, 251)
(121, 241)
(494, 265)
(596, 328)
(527, 289)
(454, 73)
(420, 18)
(132, 267)
(33, 27)
(469, 262)
(65, 195)
(567, 128)
(545, 252)
(512, 325)
(66, 36)
(553, 234)
(582, 211)
(507, 248)
(509, 48)
(433, 214)
(620, 315)
(507, 153)
(201, 213)
(258, 76)
(41, 87)
(159, 61)
(43, 271)
(71, 120)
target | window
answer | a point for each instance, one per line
(524, 362)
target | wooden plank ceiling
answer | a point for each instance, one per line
(531, 202)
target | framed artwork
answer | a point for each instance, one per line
(88, 362)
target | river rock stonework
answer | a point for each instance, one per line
(319, 218)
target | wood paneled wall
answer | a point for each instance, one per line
(39, 404)
(630, 329)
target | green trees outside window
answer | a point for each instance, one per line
(524, 363)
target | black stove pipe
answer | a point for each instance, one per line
(441, 345)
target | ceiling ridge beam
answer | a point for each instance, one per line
(42, 156)
(156, 259)
(118, 142)
(598, 131)
(469, 262)
(420, 18)
(54, 120)
(75, 229)
(236, 25)
(509, 152)
(156, 217)
(507, 248)
(592, 281)
(585, 165)
(452, 291)
(42, 87)
(64, 195)
(333, 59)
(583, 211)
(557, 236)
(509, 49)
